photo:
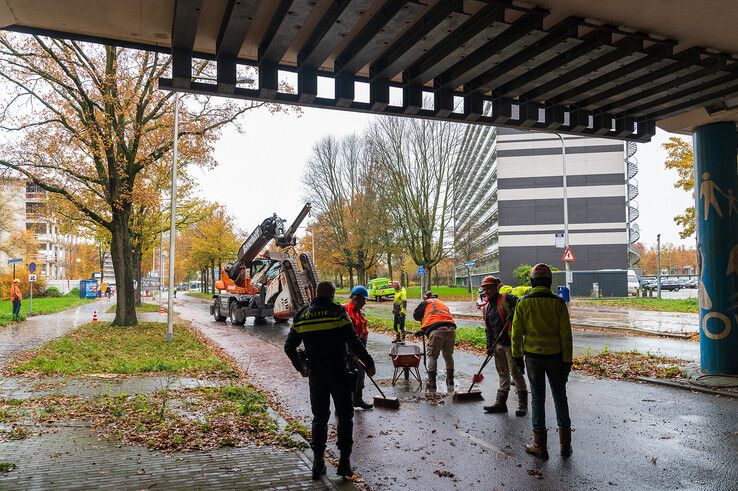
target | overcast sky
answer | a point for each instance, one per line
(259, 172)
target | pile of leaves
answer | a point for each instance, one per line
(199, 418)
(628, 365)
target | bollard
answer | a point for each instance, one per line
(596, 290)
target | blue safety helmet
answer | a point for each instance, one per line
(359, 290)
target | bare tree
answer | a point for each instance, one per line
(417, 160)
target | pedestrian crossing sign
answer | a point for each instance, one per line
(568, 256)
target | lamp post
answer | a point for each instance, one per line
(172, 223)
(658, 265)
(566, 209)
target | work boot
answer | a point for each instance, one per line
(522, 409)
(397, 338)
(318, 466)
(344, 465)
(538, 446)
(565, 442)
(403, 336)
(500, 405)
(450, 380)
(359, 401)
(431, 385)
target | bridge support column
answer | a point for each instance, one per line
(716, 211)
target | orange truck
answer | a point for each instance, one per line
(262, 284)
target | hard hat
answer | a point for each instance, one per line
(430, 294)
(16, 280)
(490, 280)
(541, 270)
(506, 289)
(360, 291)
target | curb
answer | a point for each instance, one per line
(632, 330)
(689, 387)
(339, 483)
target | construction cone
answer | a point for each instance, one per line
(161, 309)
(94, 316)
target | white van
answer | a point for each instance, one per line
(633, 283)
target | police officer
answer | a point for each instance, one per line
(541, 331)
(326, 330)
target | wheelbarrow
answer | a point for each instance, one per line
(405, 359)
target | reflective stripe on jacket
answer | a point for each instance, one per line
(435, 313)
(541, 325)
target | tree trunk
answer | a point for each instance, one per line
(389, 264)
(121, 250)
(351, 275)
(212, 276)
(101, 255)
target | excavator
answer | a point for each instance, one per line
(269, 283)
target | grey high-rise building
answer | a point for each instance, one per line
(509, 202)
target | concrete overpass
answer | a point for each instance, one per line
(611, 68)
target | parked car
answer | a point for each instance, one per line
(633, 283)
(381, 288)
(692, 283)
(669, 285)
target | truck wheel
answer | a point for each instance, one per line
(235, 315)
(260, 321)
(216, 312)
(376, 298)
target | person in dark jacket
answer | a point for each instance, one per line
(438, 324)
(326, 330)
(498, 317)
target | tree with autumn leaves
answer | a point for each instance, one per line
(88, 123)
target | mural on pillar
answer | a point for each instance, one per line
(707, 193)
(702, 296)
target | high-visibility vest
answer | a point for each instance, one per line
(435, 311)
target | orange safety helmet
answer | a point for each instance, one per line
(541, 270)
(490, 280)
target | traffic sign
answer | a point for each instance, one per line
(31, 277)
(568, 256)
(32, 267)
(469, 263)
(421, 270)
(15, 260)
(559, 241)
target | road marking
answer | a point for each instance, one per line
(486, 445)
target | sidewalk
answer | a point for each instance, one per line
(69, 455)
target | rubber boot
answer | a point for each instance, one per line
(403, 336)
(397, 338)
(538, 446)
(450, 380)
(565, 442)
(522, 409)
(431, 385)
(500, 405)
(344, 465)
(318, 465)
(359, 400)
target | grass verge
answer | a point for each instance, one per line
(144, 307)
(471, 338)
(100, 348)
(628, 365)
(208, 296)
(684, 305)
(444, 292)
(43, 305)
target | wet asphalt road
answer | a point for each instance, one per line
(627, 435)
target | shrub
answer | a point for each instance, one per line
(74, 292)
(52, 291)
(522, 274)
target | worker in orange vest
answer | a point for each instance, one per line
(16, 296)
(438, 324)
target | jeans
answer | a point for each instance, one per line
(557, 373)
(358, 387)
(505, 367)
(328, 382)
(16, 308)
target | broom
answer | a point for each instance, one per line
(476, 395)
(384, 401)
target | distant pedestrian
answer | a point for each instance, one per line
(357, 300)
(438, 324)
(399, 311)
(541, 332)
(16, 297)
(325, 329)
(498, 317)
(108, 292)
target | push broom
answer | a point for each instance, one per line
(476, 395)
(383, 401)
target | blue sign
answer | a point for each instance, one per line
(15, 260)
(470, 263)
(32, 267)
(421, 270)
